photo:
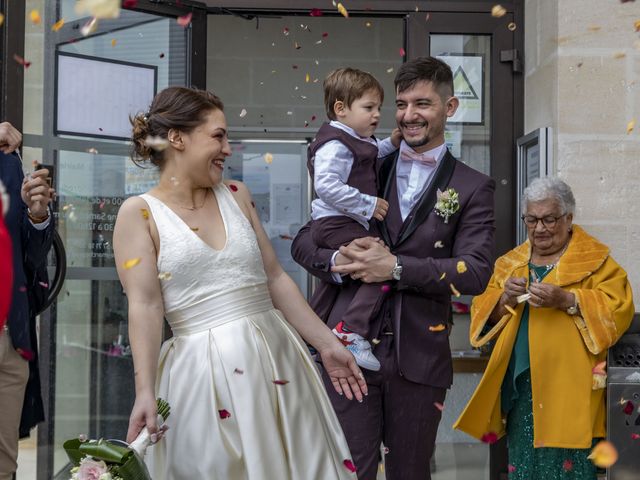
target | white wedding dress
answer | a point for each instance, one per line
(246, 399)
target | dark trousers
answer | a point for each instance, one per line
(397, 412)
(360, 317)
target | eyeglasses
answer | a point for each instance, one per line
(549, 221)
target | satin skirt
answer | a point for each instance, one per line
(246, 398)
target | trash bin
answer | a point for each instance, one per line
(623, 403)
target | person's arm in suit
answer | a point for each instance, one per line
(473, 244)
(317, 261)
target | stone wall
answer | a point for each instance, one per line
(582, 78)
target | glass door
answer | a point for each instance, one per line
(88, 379)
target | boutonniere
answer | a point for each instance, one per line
(447, 203)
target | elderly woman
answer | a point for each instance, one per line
(554, 305)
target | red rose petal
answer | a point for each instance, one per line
(511, 468)
(567, 465)
(224, 414)
(233, 188)
(21, 61)
(402, 52)
(489, 438)
(438, 405)
(185, 20)
(315, 12)
(129, 3)
(325, 35)
(43, 284)
(635, 436)
(628, 408)
(281, 382)
(349, 466)
(238, 371)
(385, 288)
(28, 355)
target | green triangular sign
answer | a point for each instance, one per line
(462, 86)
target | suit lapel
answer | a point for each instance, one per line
(386, 175)
(423, 208)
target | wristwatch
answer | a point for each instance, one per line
(573, 309)
(396, 271)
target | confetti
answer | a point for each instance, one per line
(113, 42)
(224, 414)
(489, 438)
(385, 288)
(307, 78)
(454, 290)
(34, 15)
(498, 11)
(99, 8)
(21, 61)
(444, 274)
(438, 244)
(1, 19)
(619, 55)
(58, 25)
(92, 150)
(164, 275)
(628, 408)
(285, 31)
(156, 143)
(348, 463)
(324, 35)
(368, 24)
(43, 284)
(523, 298)
(375, 341)
(90, 27)
(511, 468)
(635, 436)
(567, 465)
(194, 229)
(604, 454)
(130, 3)
(315, 12)
(636, 25)
(630, 125)
(459, 307)
(131, 263)
(268, 158)
(402, 52)
(281, 382)
(22, 288)
(297, 45)
(185, 20)
(439, 406)
(512, 26)
(461, 267)
(238, 371)
(243, 113)
(343, 11)
(437, 328)
(161, 55)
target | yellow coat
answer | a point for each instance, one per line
(567, 413)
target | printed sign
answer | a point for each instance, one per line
(468, 86)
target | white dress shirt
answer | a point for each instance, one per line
(332, 166)
(412, 178)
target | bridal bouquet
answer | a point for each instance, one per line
(107, 459)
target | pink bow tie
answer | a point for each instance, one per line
(408, 155)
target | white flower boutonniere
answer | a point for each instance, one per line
(447, 203)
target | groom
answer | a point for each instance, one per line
(435, 248)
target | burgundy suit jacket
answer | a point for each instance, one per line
(422, 298)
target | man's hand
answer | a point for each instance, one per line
(10, 138)
(36, 193)
(370, 260)
(382, 206)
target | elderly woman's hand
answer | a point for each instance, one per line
(513, 288)
(550, 296)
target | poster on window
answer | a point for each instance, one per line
(468, 86)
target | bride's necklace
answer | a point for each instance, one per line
(193, 207)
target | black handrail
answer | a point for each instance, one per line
(60, 272)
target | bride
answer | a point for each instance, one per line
(246, 399)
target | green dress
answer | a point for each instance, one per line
(525, 461)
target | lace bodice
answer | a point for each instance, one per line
(199, 272)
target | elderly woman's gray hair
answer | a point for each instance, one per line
(549, 188)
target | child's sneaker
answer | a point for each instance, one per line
(359, 347)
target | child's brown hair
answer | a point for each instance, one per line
(347, 85)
